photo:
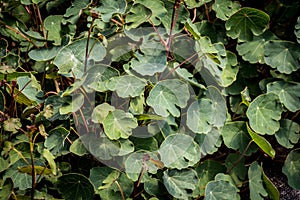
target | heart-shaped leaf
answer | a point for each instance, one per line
(179, 151)
(235, 137)
(264, 113)
(72, 57)
(225, 8)
(55, 142)
(288, 93)
(119, 124)
(253, 51)
(221, 188)
(53, 25)
(288, 135)
(282, 55)
(43, 54)
(167, 95)
(207, 171)
(129, 86)
(237, 171)
(12, 125)
(149, 64)
(75, 186)
(180, 184)
(110, 7)
(247, 22)
(210, 142)
(291, 168)
(207, 112)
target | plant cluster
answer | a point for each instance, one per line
(137, 99)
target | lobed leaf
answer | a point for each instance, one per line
(288, 93)
(257, 190)
(167, 95)
(291, 168)
(247, 22)
(264, 113)
(282, 55)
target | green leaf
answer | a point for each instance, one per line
(75, 10)
(257, 190)
(108, 8)
(12, 125)
(129, 86)
(20, 180)
(2, 101)
(264, 113)
(235, 137)
(101, 111)
(4, 164)
(136, 106)
(288, 93)
(182, 18)
(44, 54)
(288, 134)
(149, 64)
(14, 75)
(207, 112)
(50, 159)
(126, 147)
(221, 188)
(282, 55)
(6, 69)
(207, 171)
(196, 3)
(108, 189)
(77, 147)
(72, 57)
(297, 30)
(29, 87)
(157, 9)
(138, 162)
(224, 9)
(40, 170)
(229, 74)
(75, 186)
(56, 140)
(180, 183)
(253, 51)
(119, 124)
(3, 47)
(99, 77)
(270, 187)
(6, 189)
(179, 151)
(53, 25)
(262, 143)
(212, 60)
(167, 95)
(187, 76)
(247, 22)
(75, 104)
(100, 147)
(154, 187)
(291, 168)
(138, 14)
(200, 116)
(210, 142)
(238, 171)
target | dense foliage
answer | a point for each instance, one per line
(137, 99)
